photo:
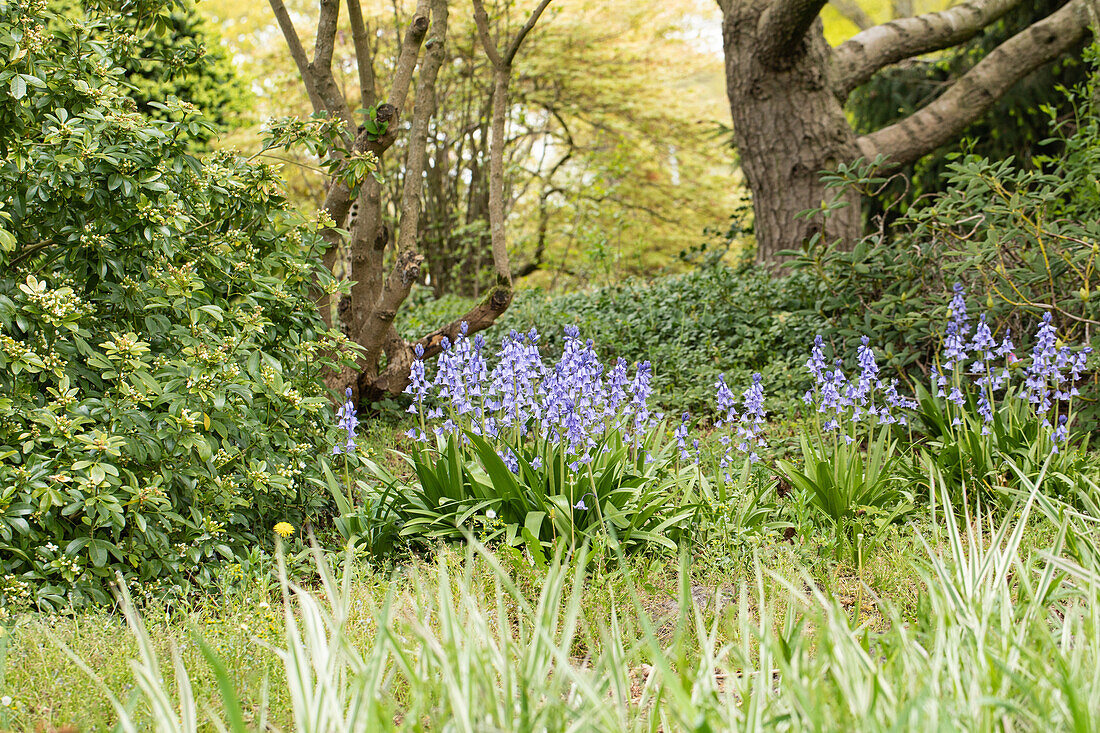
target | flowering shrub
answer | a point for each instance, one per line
(159, 351)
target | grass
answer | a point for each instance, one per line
(477, 636)
(955, 621)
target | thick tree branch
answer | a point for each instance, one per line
(478, 318)
(298, 53)
(363, 57)
(406, 269)
(857, 59)
(851, 10)
(410, 49)
(326, 34)
(782, 27)
(975, 93)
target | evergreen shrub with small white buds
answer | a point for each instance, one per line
(160, 356)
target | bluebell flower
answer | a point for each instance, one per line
(1042, 370)
(898, 402)
(727, 405)
(1061, 432)
(418, 382)
(510, 460)
(572, 395)
(460, 375)
(640, 390)
(752, 417)
(680, 434)
(834, 395)
(958, 308)
(816, 363)
(346, 420)
(513, 382)
(726, 401)
(954, 346)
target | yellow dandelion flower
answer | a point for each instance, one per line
(284, 529)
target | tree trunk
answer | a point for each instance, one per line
(788, 127)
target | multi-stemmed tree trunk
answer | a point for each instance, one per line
(384, 265)
(787, 88)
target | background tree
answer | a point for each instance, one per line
(610, 165)
(381, 283)
(787, 88)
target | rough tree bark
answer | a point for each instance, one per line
(380, 282)
(787, 88)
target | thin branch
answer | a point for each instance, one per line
(28, 252)
(857, 59)
(364, 59)
(513, 47)
(481, 18)
(975, 92)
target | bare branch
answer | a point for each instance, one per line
(410, 49)
(513, 47)
(364, 59)
(502, 73)
(972, 95)
(851, 10)
(481, 18)
(782, 27)
(857, 59)
(298, 53)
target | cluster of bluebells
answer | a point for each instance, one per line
(845, 402)
(746, 426)
(574, 402)
(974, 358)
(1049, 377)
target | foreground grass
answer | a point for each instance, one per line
(953, 624)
